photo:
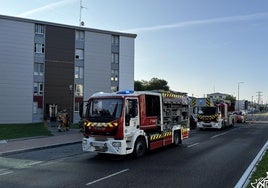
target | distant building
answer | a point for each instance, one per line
(241, 105)
(47, 67)
(217, 96)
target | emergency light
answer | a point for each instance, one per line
(125, 92)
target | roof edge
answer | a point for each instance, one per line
(67, 26)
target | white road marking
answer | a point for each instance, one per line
(17, 163)
(6, 172)
(52, 162)
(217, 135)
(192, 145)
(35, 163)
(106, 177)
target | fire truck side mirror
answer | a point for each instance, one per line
(81, 109)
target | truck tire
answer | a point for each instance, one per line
(177, 138)
(140, 147)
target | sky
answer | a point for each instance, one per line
(197, 46)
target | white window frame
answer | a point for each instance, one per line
(39, 29)
(38, 88)
(115, 58)
(79, 90)
(40, 69)
(115, 39)
(79, 72)
(79, 35)
(39, 48)
(35, 107)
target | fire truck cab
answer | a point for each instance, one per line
(128, 122)
(216, 117)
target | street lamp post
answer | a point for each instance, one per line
(238, 108)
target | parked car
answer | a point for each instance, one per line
(241, 116)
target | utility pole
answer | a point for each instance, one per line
(238, 108)
(259, 95)
(81, 23)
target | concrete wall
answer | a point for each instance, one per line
(16, 71)
(97, 63)
(126, 63)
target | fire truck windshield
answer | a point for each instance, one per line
(104, 110)
(207, 111)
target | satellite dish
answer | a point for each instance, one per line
(82, 23)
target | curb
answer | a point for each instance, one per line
(244, 180)
(257, 122)
(38, 148)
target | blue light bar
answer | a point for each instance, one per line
(125, 92)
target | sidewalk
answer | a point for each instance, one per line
(32, 143)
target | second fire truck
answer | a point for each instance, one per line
(128, 122)
(216, 116)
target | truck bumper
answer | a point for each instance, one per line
(210, 125)
(109, 146)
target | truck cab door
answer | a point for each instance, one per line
(132, 120)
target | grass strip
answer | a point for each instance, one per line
(13, 131)
(260, 172)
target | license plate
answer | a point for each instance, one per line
(84, 142)
(97, 144)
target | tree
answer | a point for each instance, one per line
(153, 84)
(139, 86)
(230, 98)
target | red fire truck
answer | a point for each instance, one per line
(216, 116)
(128, 122)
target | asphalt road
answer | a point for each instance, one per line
(207, 159)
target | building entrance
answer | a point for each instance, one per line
(52, 110)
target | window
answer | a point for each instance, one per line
(79, 72)
(39, 48)
(114, 75)
(39, 69)
(38, 88)
(76, 106)
(79, 54)
(115, 39)
(114, 88)
(79, 35)
(78, 90)
(39, 29)
(115, 58)
(153, 105)
(114, 78)
(35, 106)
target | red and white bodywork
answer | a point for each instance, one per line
(133, 122)
(215, 117)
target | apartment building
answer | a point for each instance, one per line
(48, 67)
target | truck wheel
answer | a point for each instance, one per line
(177, 138)
(140, 147)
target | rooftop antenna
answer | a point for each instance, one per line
(81, 23)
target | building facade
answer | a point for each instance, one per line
(217, 96)
(47, 67)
